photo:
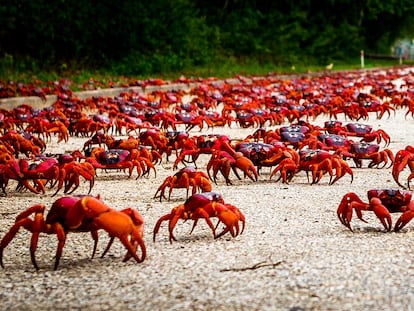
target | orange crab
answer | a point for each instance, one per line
(120, 159)
(204, 205)
(9, 170)
(382, 202)
(223, 161)
(320, 162)
(367, 151)
(79, 214)
(185, 178)
(19, 144)
(403, 158)
(70, 174)
(364, 131)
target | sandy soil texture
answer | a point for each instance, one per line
(293, 255)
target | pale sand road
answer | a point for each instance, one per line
(318, 263)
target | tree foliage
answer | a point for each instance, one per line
(159, 35)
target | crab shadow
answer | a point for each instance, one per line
(372, 229)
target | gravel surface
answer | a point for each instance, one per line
(293, 255)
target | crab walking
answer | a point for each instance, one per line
(382, 202)
(185, 178)
(204, 205)
(80, 214)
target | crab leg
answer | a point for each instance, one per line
(381, 212)
(405, 217)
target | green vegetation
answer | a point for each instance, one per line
(164, 38)
(79, 77)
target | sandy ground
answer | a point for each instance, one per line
(293, 255)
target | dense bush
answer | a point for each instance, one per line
(138, 36)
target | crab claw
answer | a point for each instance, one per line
(246, 165)
(287, 168)
(381, 212)
(346, 206)
(138, 221)
(405, 217)
(230, 215)
(228, 218)
(117, 223)
(23, 221)
(401, 160)
(172, 218)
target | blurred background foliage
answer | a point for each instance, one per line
(150, 37)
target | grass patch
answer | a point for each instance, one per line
(81, 77)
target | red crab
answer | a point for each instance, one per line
(185, 178)
(131, 144)
(130, 124)
(85, 126)
(20, 144)
(37, 141)
(79, 214)
(119, 159)
(403, 158)
(367, 134)
(320, 162)
(71, 171)
(287, 168)
(261, 154)
(9, 170)
(156, 139)
(45, 128)
(267, 136)
(204, 205)
(193, 146)
(382, 202)
(293, 134)
(40, 172)
(372, 103)
(192, 120)
(366, 151)
(100, 138)
(223, 161)
(62, 170)
(216, 118)
(358, 130)
(337, 143)
(247, 119)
